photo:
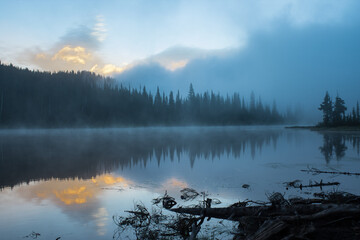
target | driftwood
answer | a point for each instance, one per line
(334, 215)
(317, 171)
(321, 184)
(188, 194)
(330, 216)
(298, 211)
(167, 201)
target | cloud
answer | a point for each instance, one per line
(172, 59)
(290, 65)
(61, 58)
(76, 55)
(302, 12)
(165, 68)
(77, 50)
(230, 24)
(195, 25)
(109, 69)
(178, 57)
(263, 14)
(99, 30)
(81, 36)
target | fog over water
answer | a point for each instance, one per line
(85, 176)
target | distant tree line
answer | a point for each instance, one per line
(45, 99)
(334, 113)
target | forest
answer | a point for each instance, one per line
(334, 113)
(68, 99)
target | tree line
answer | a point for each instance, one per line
(334, 113)
(65, 99)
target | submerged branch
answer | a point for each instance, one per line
(317, 171)
(321, 184)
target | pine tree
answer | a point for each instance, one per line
(191, 95)
(327, 109)
(171, 99)
(178, 100)
(339, 111)
(158, 105)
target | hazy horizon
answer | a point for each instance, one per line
(288, 51)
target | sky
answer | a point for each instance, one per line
(65, 35)
(274, 48)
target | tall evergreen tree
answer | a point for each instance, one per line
(339, 111)
(327, 109)
(178, 100)
(157, 100)
(191, 95)
(171, 99)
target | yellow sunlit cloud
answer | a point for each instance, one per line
(72, 54)
(74, 58)
(80, 58)
(107, 69)
(172, 66)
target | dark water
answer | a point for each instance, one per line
(69, 183)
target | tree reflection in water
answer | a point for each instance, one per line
(335, 143)
(40, 155)
(30, 155)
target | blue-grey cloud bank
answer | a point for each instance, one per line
(294, 66)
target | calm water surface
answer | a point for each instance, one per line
(69, 183)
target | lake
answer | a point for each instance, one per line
(70, 183)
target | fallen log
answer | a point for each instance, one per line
(286, 211)
(288, 222)
(321, 184)
(230, 213)
(298, 184)
(317, 171)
